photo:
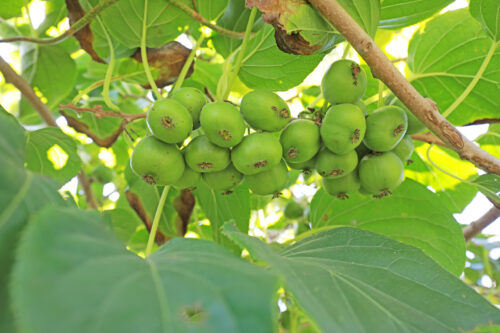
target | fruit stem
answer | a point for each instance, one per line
(109, 70)
(346, 50)
(381, 87)
(156, 220)
(486, 191)
(239, 59)
(144, 55)
(187, 64)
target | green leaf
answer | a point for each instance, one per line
(51, 152)
(490, 141)
(87, 281)
(12, 139)
(51, 71)
(11, 8)
(456, 64)
(412, 215)
(352, 280)
(55, 12)
(221, 208)
(164, 22)
(266, 67)
(21, 194)
(365, 12)
(211, 9)
(487, 12)
(401, 13)
(489, 185)
(235, 18)
(125, 223)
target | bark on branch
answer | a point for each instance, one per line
(382, 68)
(477, 226)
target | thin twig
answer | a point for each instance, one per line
(27, 91)
(484, 121)
(12, 77)
(429, 138)
(98, 111)
(424, 108)
(477, 226)
(194, 14)
(77, 26)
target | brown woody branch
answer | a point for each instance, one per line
(477, 226)
(99, 112)
(27, 91)
(81, 127)
(77, 26)
(429, 138)
(136, 204)
(424, 108)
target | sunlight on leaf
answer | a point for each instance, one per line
(57, 156)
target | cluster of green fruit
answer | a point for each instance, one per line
(350, 150)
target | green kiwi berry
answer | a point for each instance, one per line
(264, 110)
(222, 123)
(203, 156)
(169, 121)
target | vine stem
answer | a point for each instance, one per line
(77, 26)
(382, 68)
(109, 70)
(144, 55)
(187, 64)
(239, 59)
(194, 14)
(381, 87)
(156, 220)
(474, 81)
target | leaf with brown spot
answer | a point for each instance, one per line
(168, 60)
(84, 36)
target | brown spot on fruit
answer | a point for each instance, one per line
(336, 172)
(292, 152)
(225, 134)
(324, 217)
(283, 113)
(355, 70)
(398, 130)
(205, 165)
(355, 136)
(260, 164)
(167, 122)
(149, 179)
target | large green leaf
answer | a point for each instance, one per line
(164, 22)
(221, 208)
(51, 152)
(12, 139)
(365, 12)
(412, 214)
(235, 18)
(50, 70)
(489, 185)
(352, 280)
(11, 8)
(21, 194)
(401, 13)
(487, 12)
(267, 67)
(456, 64)
(73, 275)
